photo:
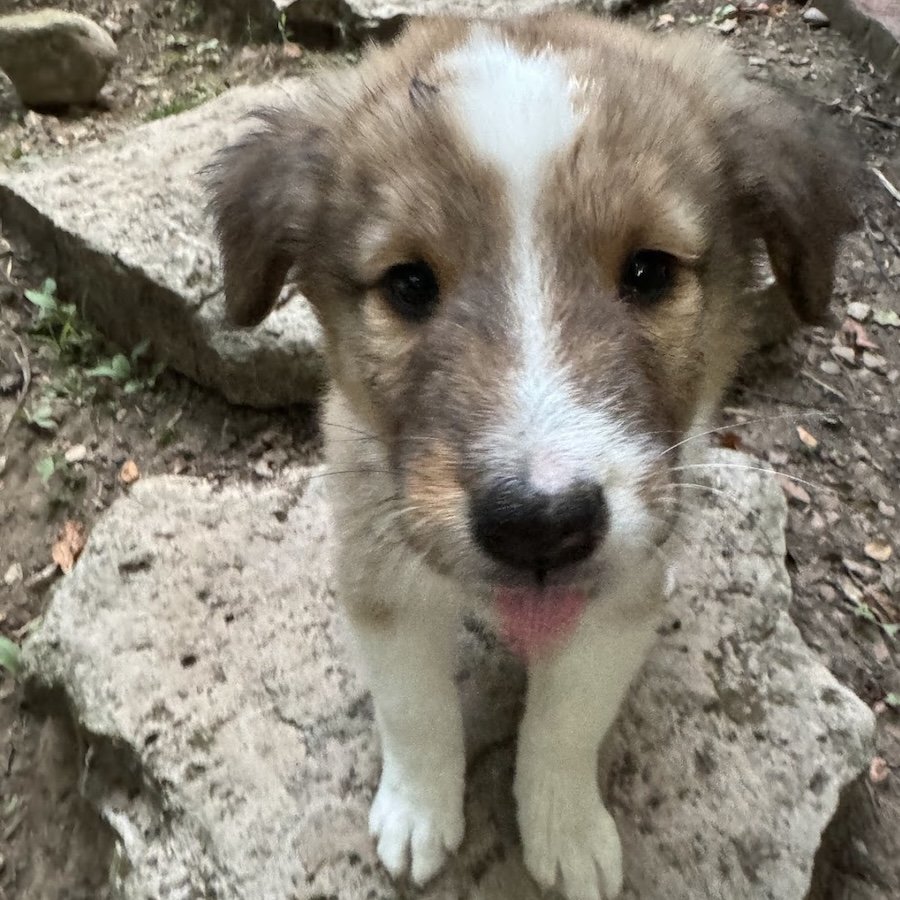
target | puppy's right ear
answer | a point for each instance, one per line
(267, 194)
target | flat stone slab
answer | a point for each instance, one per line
(123, 227)
(874, 28)
(336, 22)
(231, 745)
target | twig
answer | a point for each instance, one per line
(25, 365)
(859, 114)
(886, 184)
(824, 385)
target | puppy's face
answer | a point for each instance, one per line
(527, 244)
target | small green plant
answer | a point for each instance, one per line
(62, 481)
(282, 27)
(10, 656)
(127, 371)
(59, 325)
(40, 416)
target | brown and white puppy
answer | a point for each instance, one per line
(529, 245)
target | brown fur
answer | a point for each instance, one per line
(682, 155)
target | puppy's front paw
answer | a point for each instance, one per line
(569, 839)
(417, 827)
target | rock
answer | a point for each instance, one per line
(859, 311)
(198, 647)
(122, 226)
(332, 23)
(873, 27)
(55, 58)
(874, 361)
(815, 17)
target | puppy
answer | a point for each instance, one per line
(530, 245)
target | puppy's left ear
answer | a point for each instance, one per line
(795, 180)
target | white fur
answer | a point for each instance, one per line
(573, 698)
(417, 814)
(519, 112)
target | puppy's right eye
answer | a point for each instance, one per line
(411, 289)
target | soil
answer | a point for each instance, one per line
(844, 505)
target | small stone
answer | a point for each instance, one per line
(129, 473)
(829, 367)
(887, 318)
(874, 361)
(887, 509)
(76, 453)
(844, 354)
(756, 61)
(815, 18)
(879, 770)
(859, 311)
(13, 574)
(55, 58)
(263, 470)
(880, 551)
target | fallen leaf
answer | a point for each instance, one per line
(893, 700)
(291, 50)
(887, 318)
(69, 544)
(807, 439)
(880, 551)
(13, 574)
(665, 19)
(794, 491)
(129, 473)
(859, 335)
(879, 770)
(729, 440)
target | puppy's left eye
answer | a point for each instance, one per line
(411, 289)
(648, 276)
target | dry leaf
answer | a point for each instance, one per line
(880, 551)
(859, 335)
(290, 50)
(879, 770)
(845, 354)
(68, 546)
(129, 473)
(729, 440)
(807, 438)
(794, 491)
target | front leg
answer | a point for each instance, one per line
(408, 656)
(569, 838)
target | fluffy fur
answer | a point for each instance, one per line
(523, 161)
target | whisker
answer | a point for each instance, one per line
(757, 421)
(767, 471)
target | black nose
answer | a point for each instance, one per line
(526, 529)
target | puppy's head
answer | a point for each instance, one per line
(528, 244)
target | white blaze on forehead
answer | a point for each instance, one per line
(520, 112)
(515, 108)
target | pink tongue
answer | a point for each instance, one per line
(532, 621)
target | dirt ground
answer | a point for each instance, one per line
(823, 409)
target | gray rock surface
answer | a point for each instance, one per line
(123, 228)
(231, 746)
(335, 22)
(55, 58)
(874, 28)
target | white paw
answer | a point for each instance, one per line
(569, 839)
(416, 829)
